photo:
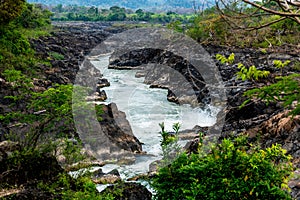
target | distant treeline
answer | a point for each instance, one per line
(114, 13)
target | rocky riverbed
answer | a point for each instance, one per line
(75, 40)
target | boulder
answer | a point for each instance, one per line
(126, 191)
(111, 177)
(103, 82)
(97, 96)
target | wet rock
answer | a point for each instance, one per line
(111, 177)
(192, 133)
(103, 82)
(154, 167)
(126, 191)
(109, 140)
(140, 74)
(118, 129)
(172, 97)
(97, 96)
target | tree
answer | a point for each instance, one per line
(10, 9)
(253, 11)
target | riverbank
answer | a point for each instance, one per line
(75, 40)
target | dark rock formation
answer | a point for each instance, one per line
(73, 42)
(111, 177)
(103, 82)
(115, 125)
(126, 191)
(164, 69)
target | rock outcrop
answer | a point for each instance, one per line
(132, 191)
(117, 128)
(164, 69)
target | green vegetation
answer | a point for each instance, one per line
(286, 91)
(40, 121)
(251, 73)
(56, 56)
(238, 24)
(114, 13)
(245, 73)
(233, 169)
(224, 60)
(132, 4)
(15, 50)
(69, 188)
(10, 9)
(169, 143)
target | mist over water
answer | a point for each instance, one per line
(145, 108)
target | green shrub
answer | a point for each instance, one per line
(224, 60)
(169, 143)
(34, 16)
(286, 90)
(251, 73)
(230, 170)
(76, 189)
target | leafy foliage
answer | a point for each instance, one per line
(248, 26)
(73, 188)
(245, 73)
(115, 13)
(251, 73)
(56, 56)
(224, 60)
(40, 122)
(15, 50)
(132, 4)
(34, 16)
(279, 64)
(208, 26)
(229, 170)
(9, 10)
(169, 143)
(285, 90)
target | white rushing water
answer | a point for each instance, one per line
(145, 108)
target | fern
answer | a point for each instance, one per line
(224, 60)
(251, 73)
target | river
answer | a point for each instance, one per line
(145, 108)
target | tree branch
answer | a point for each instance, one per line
(287, 14)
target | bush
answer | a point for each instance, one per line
(231, 170)
(78, 188)
(10, 9)
(34, 16)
